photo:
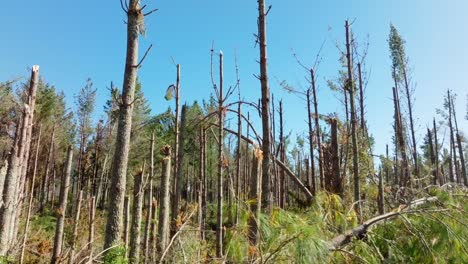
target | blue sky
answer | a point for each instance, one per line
(74, 40)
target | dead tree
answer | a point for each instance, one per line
(282, 150)
(405, 177)
(331, 159)
(177, 165)
(164, 200)
(135, 26)
(350, 88)
(76, 223)
(92, 216)
(432, 156)
(381, 199)
(459, 144)
(255, 196)
(453, 156)
(361, 100)
(238, 158)
(311, 141)
(203, 162)
(13, 175)
(25, 158)
(149, 211)
(58, 241)
(178, 178)
(135, 236)
(317, 131)
(31, 196)
(262, 41)
(438, 177)
(219, 215)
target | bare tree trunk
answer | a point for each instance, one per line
(175, 198)
(350, 88)
(255, 197)
(405, 177)
(58, 241)
(410, 112)
(318, 133)
(204, 182)
(114, 227)
(178, 178)
(149, 212)
(45, 179)
(14, 172)
(20, 192)
(361, 100)
(219, 214)
(92, 216)
(163, 225)
(438, 177)
(387, 171)
(262, 40)
(381, 194)
(432, 156)
(31, 196)
(459, 144)
(282, 158)
(154, 229)
(455, 175)
(238, 160)
(135, 237)
(311, 184)
(337, 179)
(75, 228)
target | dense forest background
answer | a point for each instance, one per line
(223, 180)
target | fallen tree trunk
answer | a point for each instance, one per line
(360, 231)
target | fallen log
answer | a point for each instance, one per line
(360, 231)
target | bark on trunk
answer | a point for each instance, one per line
(164, 201)
(311, 143)
(432, 156)
(381, 194)
(282, 158)
(262, 41)
(460, 147)
(238, 160)
(127, 217)
(361, 100)
(438, 176)
(219, 214)
(149, 211)
(255, 196)
(122, 147)
(75, 228)
(58, 241)
(410, 112)
(350, 88)
(31, 196)
(317, 131)
(135, 236)
(453, 157)
(178, 178)
(405, 175)
(92, 216)
(13, 176)
(175, 199)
